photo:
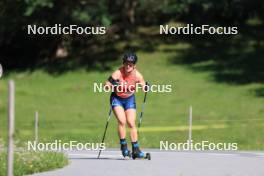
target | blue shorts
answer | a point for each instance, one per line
(126, 103)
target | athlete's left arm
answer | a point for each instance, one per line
(141, 81)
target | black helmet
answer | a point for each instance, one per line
(130, 57)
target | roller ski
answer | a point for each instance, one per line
(125, 152)
(138, 154)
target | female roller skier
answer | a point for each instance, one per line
(122, 100)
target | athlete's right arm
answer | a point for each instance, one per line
(112, 80)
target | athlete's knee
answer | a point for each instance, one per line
(122, 123)
(131, 124)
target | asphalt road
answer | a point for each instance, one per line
(179, 163)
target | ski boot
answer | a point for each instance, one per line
(137, 153)
(125, 152)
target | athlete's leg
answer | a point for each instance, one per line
(121, 118)
(131, 121)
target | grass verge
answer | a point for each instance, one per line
(32, 162)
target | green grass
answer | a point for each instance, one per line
(70, 110)
(32, 162)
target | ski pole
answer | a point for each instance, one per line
(107, 122)
(142, 108)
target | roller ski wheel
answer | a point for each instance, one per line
(148, 156)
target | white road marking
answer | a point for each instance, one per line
(222, 154)
(117, 154)
(92, 155)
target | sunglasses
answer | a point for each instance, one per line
(129, 64)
